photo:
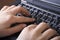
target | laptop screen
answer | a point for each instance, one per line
(56, 2)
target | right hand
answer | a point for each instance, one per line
(38, 32)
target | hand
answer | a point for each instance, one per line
(37, 32)
(7, 17)
(56, 38)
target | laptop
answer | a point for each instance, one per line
(44, 11)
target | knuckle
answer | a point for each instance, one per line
(52, 30)
(32, 26)
(45, 24)
(5, 6)
(12, 5)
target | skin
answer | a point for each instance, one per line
(7, 17)
(56, 38)
(38, 32)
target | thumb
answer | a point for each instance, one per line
(10, 31)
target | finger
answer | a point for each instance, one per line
(25, 11)
(4, 8)
(10, 31)
(25, 31)
(21, 19)
(19, 9)
(31, 27)
(11, 7)
(41, 27)
(56, 38)
(48, 34)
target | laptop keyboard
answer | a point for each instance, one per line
(42, 15)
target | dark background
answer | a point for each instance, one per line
(8, 2)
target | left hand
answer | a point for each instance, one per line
(8, 17)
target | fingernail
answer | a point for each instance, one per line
(33, 19)
(18, 6)
(13, 5)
